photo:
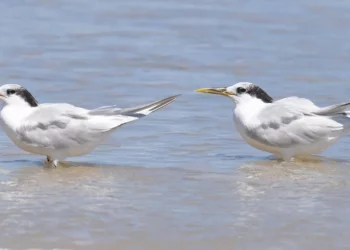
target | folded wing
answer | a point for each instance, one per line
(61, 126)
(334, 110)
(285, 126)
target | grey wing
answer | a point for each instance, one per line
(338, 112)
(59, 126)
(135, 112)
(306, 105)
(64, 125)
(282, 126)
(297, 103)
(338, 109)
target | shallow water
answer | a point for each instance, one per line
(181, 178)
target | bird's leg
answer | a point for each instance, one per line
(55, 163)
(287, 156)
(48, 159)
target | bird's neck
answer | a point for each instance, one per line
(247, 110)
(22, 101)
(12, 115)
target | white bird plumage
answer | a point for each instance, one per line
(60, 130)
(289, 127)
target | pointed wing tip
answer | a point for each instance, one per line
(149, 108)
(166, 101)
(162, 103)
(173, 97)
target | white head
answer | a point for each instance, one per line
(14, 94)
(240, 92)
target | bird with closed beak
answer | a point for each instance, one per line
(61, 130)
(289, 128)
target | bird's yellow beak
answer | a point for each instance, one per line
(215, 91)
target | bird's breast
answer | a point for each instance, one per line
(13, 115)
(11, 120)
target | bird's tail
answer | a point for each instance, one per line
(344, 119)
(131, 114)
(346, 122)
(339, 113)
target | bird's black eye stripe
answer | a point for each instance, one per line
(241, 90)
(11, 91)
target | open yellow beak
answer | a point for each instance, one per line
(215, 91)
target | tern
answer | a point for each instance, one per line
(289, 128)
(61, 130)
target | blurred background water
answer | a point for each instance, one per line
(181, 178)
